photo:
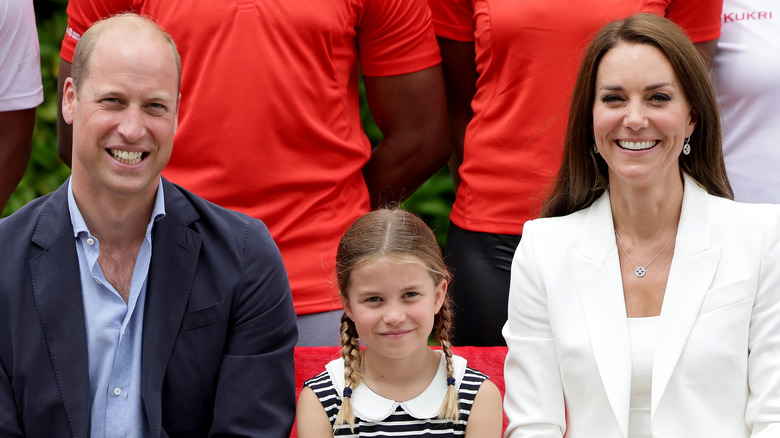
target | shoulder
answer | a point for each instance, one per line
(322, 386)
(212, 221)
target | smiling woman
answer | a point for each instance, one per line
(617, 296)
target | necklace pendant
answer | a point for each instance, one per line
(640, 271)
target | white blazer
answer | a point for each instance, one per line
(716, 368)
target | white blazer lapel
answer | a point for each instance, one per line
(693, 268)
(596, 270)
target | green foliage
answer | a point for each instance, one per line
(46, 171)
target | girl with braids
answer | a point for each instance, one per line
(393, 284)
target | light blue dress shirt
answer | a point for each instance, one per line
(114, 331)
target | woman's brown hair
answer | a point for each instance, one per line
(402, 236)
(583, 176)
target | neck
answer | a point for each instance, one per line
(399, 378)
(646, 213)
(113, 220)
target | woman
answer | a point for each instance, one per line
(646, 303)
(509, 68)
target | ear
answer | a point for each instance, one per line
(439, 294)
(346, 305)
(692, 122)
(68, 100)
(176, 116)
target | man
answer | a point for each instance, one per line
(21, 91)
(129, 306)
(271, 126)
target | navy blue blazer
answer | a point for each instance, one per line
(219, 325)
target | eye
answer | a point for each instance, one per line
(411, 294)
(372, 299)
(660, 97)
(612, 99)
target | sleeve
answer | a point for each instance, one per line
(763, 409)
(20, 68)
(699, 18)
(534, 402)
(81, 15)
(453, 19)
(9, 422)
(395, 37)
(256, 384)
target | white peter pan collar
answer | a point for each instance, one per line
(370, 406)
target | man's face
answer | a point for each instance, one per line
(124, 116)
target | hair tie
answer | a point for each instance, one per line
(347, 392)
(450, 381)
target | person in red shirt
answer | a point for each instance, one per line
(510, 67)
(270, 122)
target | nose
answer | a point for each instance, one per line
(635, 117)
(394, 315)
(131, 126)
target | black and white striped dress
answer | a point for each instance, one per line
(376, 416)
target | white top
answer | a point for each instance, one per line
(643, 333)
(20, 59)
(747, 75)
(371, 406)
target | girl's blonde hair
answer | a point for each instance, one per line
(400, 235)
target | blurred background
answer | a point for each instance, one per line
(46, 172)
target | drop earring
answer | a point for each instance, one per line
(687, 146)
(595, 149)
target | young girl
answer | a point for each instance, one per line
(393, 285)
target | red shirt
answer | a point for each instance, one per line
(269, 123)
(528, 53)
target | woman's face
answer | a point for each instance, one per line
(641, 116)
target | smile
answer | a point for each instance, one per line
(637, 145)
(126, 157)
(396, 334)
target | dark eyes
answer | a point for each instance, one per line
(657, 97)
(660, 97)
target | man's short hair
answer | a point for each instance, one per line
(132, 22)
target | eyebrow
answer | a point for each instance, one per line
(647, 88)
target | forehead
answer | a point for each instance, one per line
(392, 272)
(133, 56)
(628, 62)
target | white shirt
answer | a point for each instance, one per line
(747, 76)
(20, 58)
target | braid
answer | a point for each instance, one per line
(350, 351)
(450, 410)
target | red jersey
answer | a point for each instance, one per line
(269, 123)
(528, 53)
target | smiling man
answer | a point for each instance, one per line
(130, 307)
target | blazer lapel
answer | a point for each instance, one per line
(57, 290)
(596, 270)
(692, 271)
(175, 251)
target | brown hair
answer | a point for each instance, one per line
(583, 176)
(130, 21)
(397, 235)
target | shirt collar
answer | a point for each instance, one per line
(79, 226)
(371, 406)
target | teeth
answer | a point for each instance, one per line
(636, 145)
(126, 157)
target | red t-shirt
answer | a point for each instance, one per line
(269, 123)
(528, 53)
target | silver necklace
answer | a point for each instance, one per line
(640, 271)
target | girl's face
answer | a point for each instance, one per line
(393, 305)
(641, 116)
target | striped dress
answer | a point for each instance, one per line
(376, 416)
